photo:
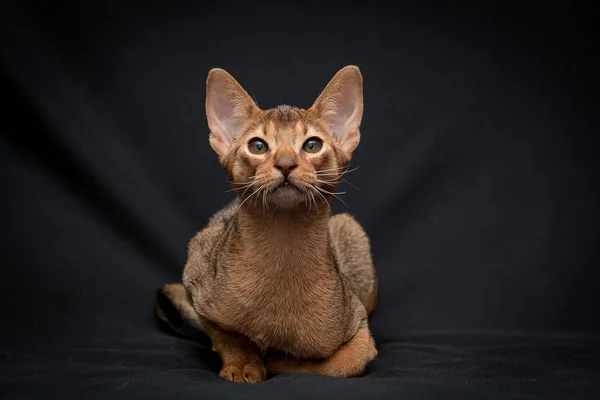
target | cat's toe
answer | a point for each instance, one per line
(252, 372)
(232, 373)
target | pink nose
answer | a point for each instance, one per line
(285, 164)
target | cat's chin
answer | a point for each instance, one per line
(287, 197)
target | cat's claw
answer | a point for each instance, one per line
(249, 373)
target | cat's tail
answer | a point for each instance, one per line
(175, 313)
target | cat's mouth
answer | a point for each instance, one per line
(286, 185)
(286, 195)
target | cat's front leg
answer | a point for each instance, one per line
(242, 362)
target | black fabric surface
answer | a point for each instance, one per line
(478, 188)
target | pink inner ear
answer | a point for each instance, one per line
(345, 116)
(221, 113)
(228, 107)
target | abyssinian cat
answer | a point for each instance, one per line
(274, 270)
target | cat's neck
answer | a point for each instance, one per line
(283, 237)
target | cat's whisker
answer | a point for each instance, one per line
(331, 176)
(334, 181)
(334, 194)
(328, 192)
(249, 197)
(306, 203)
(351, 184)
(330, 169)
(260, 193)
(265, 202)
(351, 170)
(240, 183)
(312, 194)
(341, 173)
(328, 182)
(304, 199)
(239, 188)
(316, 190)
(244, 192)
(307, 199)
(346, 169)
(344, 172)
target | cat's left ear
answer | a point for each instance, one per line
(228, 109)
(340, 107)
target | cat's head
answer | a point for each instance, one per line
(284, 156)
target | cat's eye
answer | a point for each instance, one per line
(257, 146)
(312, 145)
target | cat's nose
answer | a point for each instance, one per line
(285, 164)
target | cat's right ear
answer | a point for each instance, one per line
(228, 109)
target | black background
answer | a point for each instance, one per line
(477, 179)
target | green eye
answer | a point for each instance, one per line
(313, 145)
(257, 146)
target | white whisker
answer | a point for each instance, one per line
(316, 190)
(351, 184)
(324, 198)
(240, 183)
(332, 182)
(249, 197)
(312, 194)
(330, 169)
(239, 188)
(265, 203)
(328, 192)
(307, 199)
(334, 194)
(338, 173)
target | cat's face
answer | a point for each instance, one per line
(287, 157)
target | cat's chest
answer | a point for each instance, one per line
(290, 306)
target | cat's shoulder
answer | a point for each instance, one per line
(224, 215)
(214, 230)
(345, 224)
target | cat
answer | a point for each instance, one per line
(275, 270)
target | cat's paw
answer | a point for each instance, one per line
(250, 372)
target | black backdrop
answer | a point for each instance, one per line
(477, 182)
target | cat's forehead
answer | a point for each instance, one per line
(284, 124)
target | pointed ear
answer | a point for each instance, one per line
(228, 109)
(340, 107)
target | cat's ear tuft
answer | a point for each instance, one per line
(340, 107)
(228, 109)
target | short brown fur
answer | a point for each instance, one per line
(274, 270)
